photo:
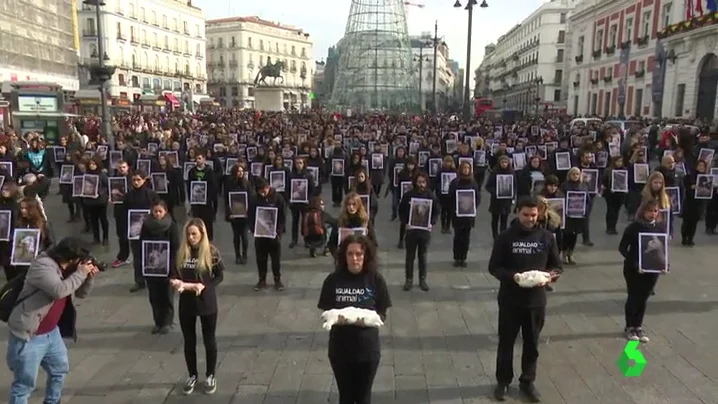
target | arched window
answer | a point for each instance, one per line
(186, 67)
(134, 60)
(157, 63)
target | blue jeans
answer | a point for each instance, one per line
(24, 359)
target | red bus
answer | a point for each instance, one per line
(482, 105)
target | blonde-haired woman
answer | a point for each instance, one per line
(199, 270)
(655, 189)
(352, 215)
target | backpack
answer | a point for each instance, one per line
(9, 296)
(313, 224)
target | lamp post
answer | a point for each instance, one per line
(467, 88)
(421, 59)
(435, 44)
(101, 73)
(539, 82)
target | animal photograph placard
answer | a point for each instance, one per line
(653, 252)
(446, 178)
(619, 181)
(67, 171)
(135, 220)
(504, 186)
(576, 204)
(434, 167)
(664, 216)
(160, 182)
(420, 213)
(337, 168)
(465, 203)
(5, 225)
(377, 161)
(198, 193)
(118, 188)
(314, 173)
(395, 175)
(155, 258)
(344, 232)
(640, 173)
(277, 180)
(90, 186)
(518, 160)
(102, 152)
(405, 187)
(674, 194)
(188, 166)
(265, 222)
(299, 192)
(59, 153)
(144, 165)
(480, 158)
(115, 158)
(706, 155)
(704, 186)
(563, 161)
(238, 203)
(589, 176)
(77, 184)
(558, 205)
(351, 182)
(365, 200)
(256, 169)
(25, 246)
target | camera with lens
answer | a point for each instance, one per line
(100, 265)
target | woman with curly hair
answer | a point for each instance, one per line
(352, 215)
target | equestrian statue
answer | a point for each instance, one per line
(273, 70)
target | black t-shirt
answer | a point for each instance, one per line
(351, 343)
(206, 302)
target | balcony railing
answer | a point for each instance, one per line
(596, 54)
(89, 33)
(610, 50)
(643, 41)
(607, 79)
(579, 59)
(640, 73)
(134, 41)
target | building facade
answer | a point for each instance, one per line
(526, 69)
(687, 64)
(613, 57)
(158, 47)
(239, 47)
(423, 59)
(38, 43)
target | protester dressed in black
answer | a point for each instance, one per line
(574, 225)
(8, 203)
(418, 238)
(268, 247)
(364, 188)
(354, 349)
(464, 218)
(499, 208)
(119, 211)
(298, 208)
(445, 198)
(138, 197)
(159, 226)
(524, 246)
(176, 194)
(97, 206)
(613, 197)
(199, 270)
(639, 284)
(237, 182)
(353, 215)
(692, 208)
(204, 209)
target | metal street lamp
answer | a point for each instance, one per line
(420, 58)
(539, 82)
(467, 96)
(102, 73)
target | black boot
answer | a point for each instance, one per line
(408, 284)
(423, 285)
(501, 391)
(529, 390)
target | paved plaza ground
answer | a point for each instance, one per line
(438, 347)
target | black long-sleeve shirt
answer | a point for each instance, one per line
(206, 302)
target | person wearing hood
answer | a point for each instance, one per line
(639, 283)
(237, 182)
(204, 210)
(500, 208)
(418, 238)
(463, 220)
(266, 248)
(159, 226)
(138, 197)
(523, 247)
(298, 207)
(97, 206)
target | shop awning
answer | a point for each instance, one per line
(171, 98)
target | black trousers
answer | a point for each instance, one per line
(74, 210)
(98, 218)
(499, 222)
(613, 210)
(86, 216)
(417, 246)
(462, 240)
(445, 216)
(124, 244)
(264, 249)
(337, 188)
(402, 232)
(297, 215)
(207, 214)
(689, 226)
(240, 236)
(512, 319)
(639, 287)
(712, 214)
(188, 325)
(136, 248)
(377, 189)
(162, 298)
(586, 233)
(569, 241)
(354, 380)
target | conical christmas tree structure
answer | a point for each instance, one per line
(375, 63)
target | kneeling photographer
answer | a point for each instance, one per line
(41, 313)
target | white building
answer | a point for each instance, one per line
(423, 58)
(158, 47)
(240, 46)
(526, 69)
(690, 80)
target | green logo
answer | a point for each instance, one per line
(630, 353)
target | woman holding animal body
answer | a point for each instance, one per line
(199, 270)
(355, 283)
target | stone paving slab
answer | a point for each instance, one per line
(438, 347)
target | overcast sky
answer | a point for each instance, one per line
(325, 20)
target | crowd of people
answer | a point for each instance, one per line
(264, 175)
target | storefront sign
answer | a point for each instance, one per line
(37, 104)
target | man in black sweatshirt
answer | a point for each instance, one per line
(520, 248)
(269, 244)
(204, 209)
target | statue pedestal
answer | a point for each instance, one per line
(268, 99)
